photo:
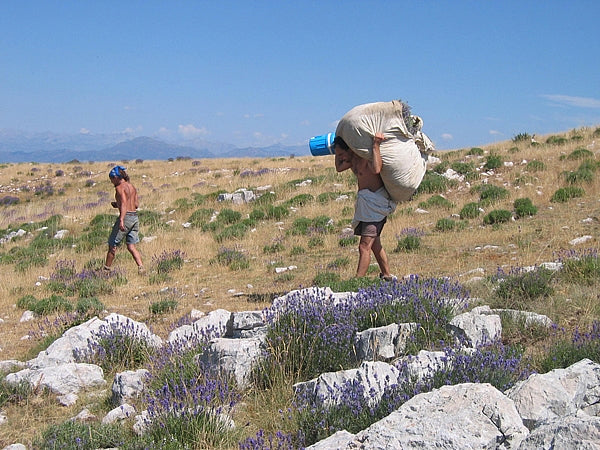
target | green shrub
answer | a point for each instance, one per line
(581, 268)
(522, 137)
(470, 211)
(325, 197)
(276, 212)
(497, 216)
(232, 258)
(316, 242)
(266, 199)
(434, 183)
(489, 193)
(297, 250)
(524, 207)
(54, 303)
(273, 248)
(338, 263)
(72, 434)
(493, 162)
(200, 217)
(229, 216)
(235, 231)
(579, 176)
(475, 151)
(465, 169)
(349, 241)
(535, 166)
(446, 224)
(89, 306)
(556, 140)
(325, 279)
(300, 200)
(563, 195)
(257, 214)
(436, 201)
(163, 306)
(580, 153)
(520, 287)
(14, 394)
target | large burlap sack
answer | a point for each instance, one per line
(404, 150)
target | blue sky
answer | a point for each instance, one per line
(254, 73)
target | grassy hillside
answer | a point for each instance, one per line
(517, 203)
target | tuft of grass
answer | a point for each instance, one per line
(489, 194)
(232, 258)
(470, 211)
(563, 195)
(519, 287)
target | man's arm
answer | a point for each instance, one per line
(377, 163)
(122, 202)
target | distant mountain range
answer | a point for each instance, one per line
(18, 146)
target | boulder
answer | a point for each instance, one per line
(372, 378)
(560, 392)
(453, 417)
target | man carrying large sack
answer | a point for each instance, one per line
(373, 204)
(384, 146)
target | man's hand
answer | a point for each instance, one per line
(379, 138)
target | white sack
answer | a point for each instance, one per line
(403, 152)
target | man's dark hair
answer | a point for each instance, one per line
(338, 141)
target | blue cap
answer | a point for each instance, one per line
(116, 172)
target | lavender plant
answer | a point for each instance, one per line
(565, 350)
(117, 346)
(188, 405)
(409, 240)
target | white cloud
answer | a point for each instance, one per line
(447, 136)
(190, 131)
(305, 123)
(495, 132)
(135, 130)
(84, 131)
(128, 108)
(579, 102)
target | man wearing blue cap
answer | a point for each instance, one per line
(127, 225)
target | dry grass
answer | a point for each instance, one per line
(461, 254)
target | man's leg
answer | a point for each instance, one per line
(136, 255)
(364, 255)
(110, 256)
(381, 257)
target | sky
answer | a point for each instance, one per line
(260, 72)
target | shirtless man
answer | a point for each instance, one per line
(127, 225)
(373, 204)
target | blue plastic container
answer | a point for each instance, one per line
(322, 145)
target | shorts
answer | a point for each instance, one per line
(132, 228)
(370, 229)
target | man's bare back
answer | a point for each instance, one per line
(126, 196)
